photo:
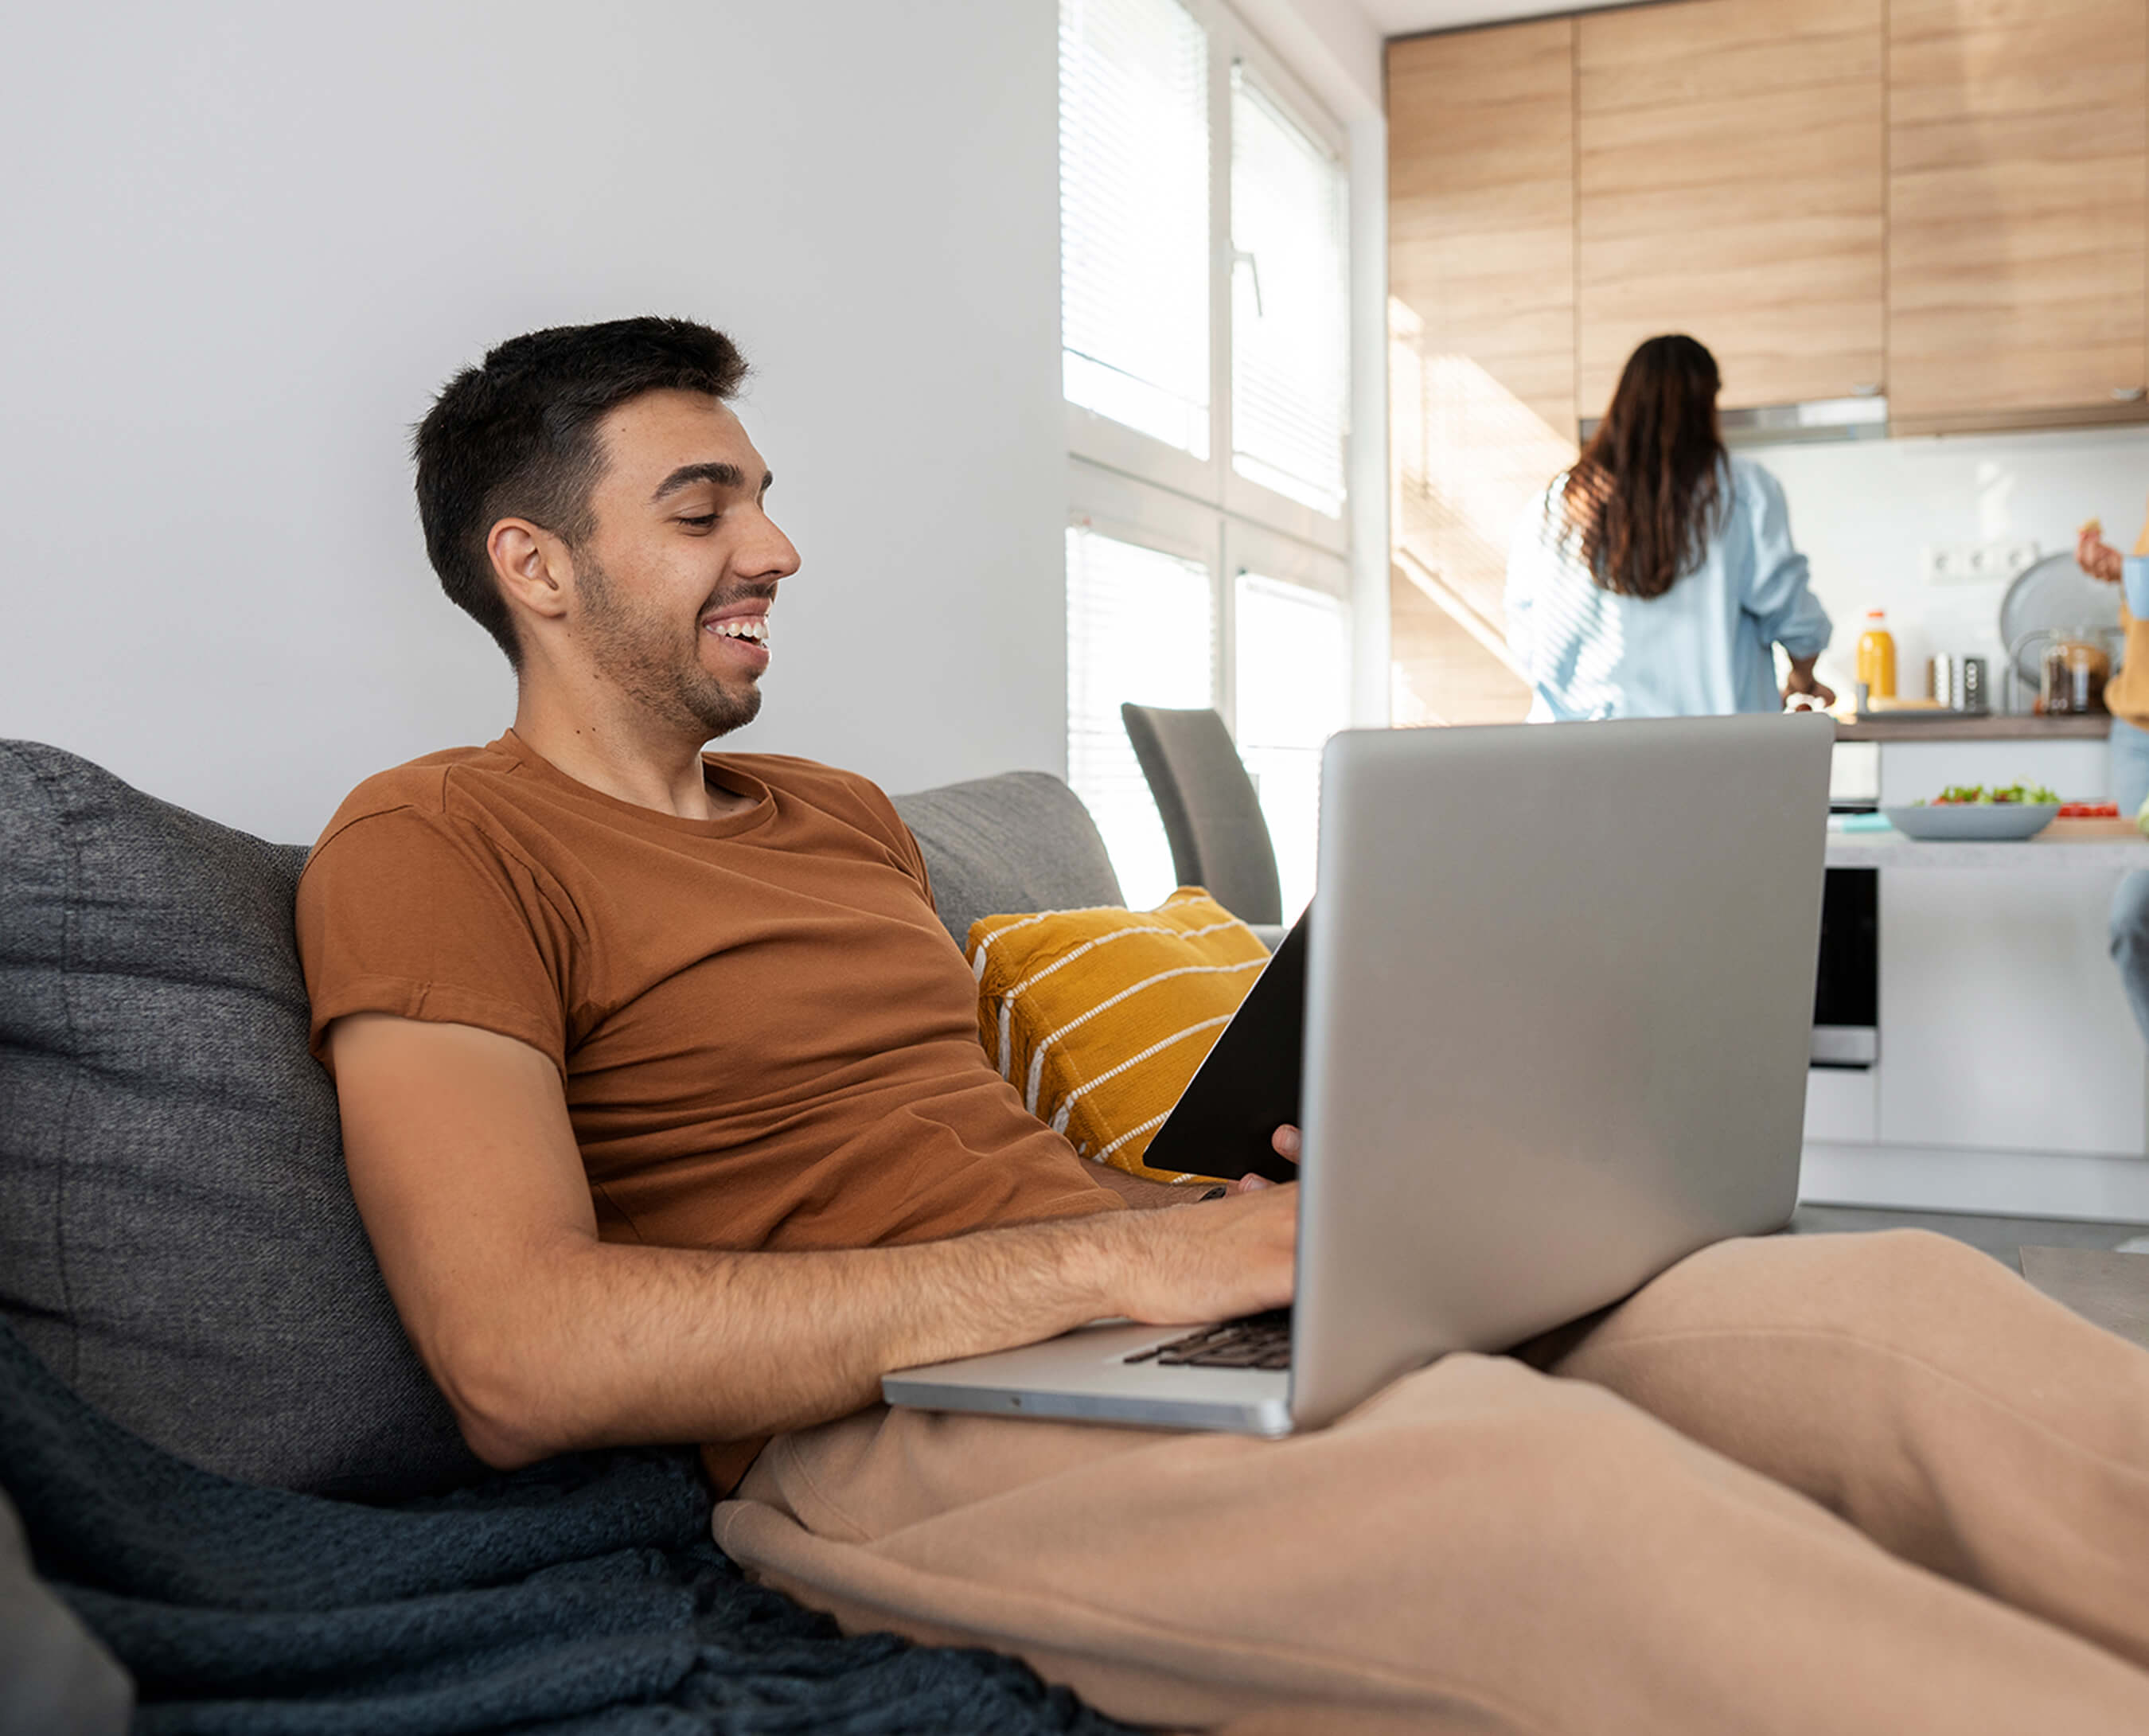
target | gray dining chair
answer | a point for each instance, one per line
(1211, 816)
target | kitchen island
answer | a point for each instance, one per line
(2008, 1074)
(2066, 846)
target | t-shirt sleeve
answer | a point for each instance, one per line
(915, 857)
(900, 836)
(412, 914)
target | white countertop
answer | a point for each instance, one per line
(2064, 847)
(1923, 726)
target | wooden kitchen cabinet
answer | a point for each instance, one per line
(2018, 209)
(1481, 204)
(1480, 228)
(1731, 185)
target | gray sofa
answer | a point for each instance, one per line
(178, 1240)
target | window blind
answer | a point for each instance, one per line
(1140, 626)
(1293, 652)
(1290, 330)
(1134, 215)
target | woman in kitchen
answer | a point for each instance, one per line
(2126, 695)
(1654, 577)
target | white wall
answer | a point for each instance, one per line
(1864, 510)
(246, 241)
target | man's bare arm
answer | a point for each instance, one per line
(546, 1338)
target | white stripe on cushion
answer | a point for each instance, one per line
(977, 962)
(1067, 958)
(1132, 1133)
(1133, 1060)
(1043, 1043)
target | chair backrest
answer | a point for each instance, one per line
(1211, 816)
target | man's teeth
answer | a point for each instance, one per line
(756, 630)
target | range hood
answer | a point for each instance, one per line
(1863, 417)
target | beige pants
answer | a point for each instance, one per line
(1824, 1484)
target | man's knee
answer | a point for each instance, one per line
(1913, 1289)
(1918, 1259)
(1862, 1266)
(1865, 1284)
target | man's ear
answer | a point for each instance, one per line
(533, 566)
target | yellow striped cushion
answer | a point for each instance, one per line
(1098, 1017)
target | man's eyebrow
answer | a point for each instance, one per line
(723, 476)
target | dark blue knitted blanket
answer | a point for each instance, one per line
(583, 1595)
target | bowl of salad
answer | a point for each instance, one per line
(1971, 812)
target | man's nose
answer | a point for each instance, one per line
(768, 554)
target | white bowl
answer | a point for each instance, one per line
(1985, 821)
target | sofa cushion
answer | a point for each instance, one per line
(53, 1673)
(1099, 1018)
(1021, 841)
(177, 1239)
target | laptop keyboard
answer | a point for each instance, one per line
(1259, 1340)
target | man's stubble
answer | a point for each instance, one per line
(641, 652)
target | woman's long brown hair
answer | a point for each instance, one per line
(1646, 493)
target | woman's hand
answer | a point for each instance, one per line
(2096, 556)
(1284, 1142)
(1802, 683)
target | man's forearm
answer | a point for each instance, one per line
(463, 1161)
(602, 1344)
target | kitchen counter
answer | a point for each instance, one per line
(2007, 1069)
(1992, 968)
(2064, 847)
(1970, 726)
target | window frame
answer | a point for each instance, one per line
(1215, 482)
(1130, 509)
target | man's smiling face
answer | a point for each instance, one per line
(674, 581)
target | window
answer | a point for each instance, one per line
(1134, 216)
(1293, 663)
(1138, 629)
(1205, 359)
(1290, 330)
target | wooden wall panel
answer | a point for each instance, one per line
(1731, 184)
(2018, 210)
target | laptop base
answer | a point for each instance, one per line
(1082, 1376)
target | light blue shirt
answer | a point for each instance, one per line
(1700, 649)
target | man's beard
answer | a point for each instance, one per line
(641, 652)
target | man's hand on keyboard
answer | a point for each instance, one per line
(1212, 1261)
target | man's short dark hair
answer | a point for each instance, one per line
(515, 437)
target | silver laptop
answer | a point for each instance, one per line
(1559, 988)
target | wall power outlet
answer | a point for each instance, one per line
(1976, 563)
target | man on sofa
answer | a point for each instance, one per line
(664, 1106)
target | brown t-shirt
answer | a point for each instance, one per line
(766, 1038)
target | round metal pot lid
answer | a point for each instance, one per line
(2056, 598)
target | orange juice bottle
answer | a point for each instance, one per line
(1876, 657)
